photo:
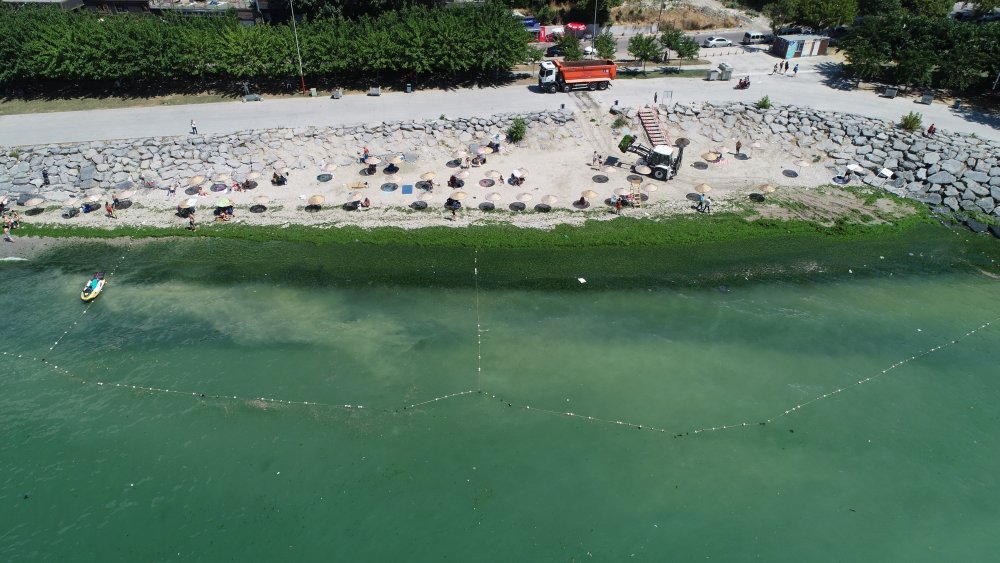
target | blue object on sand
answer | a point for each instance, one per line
(407, 189)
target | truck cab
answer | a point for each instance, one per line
(547, 76)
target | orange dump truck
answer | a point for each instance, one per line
(566, 75)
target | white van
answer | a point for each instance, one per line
(754, 37)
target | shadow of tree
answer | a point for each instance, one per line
(836, 75)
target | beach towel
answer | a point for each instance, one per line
(407, 189)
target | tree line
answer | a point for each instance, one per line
(921, 51)
(45, 44)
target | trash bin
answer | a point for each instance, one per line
(409, 88)
(725, 71)
(312, 92)
(713, 74)
(337, 94)
(958, 103)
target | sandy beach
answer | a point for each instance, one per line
(558, 165)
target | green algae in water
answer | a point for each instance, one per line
(898, 469)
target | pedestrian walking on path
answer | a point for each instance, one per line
(194, 127)
(45, 177)
(775, 71)
(6, 234)
(595, 162)
(739, 148)
(795, 71)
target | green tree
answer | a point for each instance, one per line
(933, 8)
(534, 55)
(818, 14)
(879, 7)
(605, 45)
(570, 45)
(687, 48)
(644, 48)
(669, 40)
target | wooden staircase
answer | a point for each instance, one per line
(651, 124)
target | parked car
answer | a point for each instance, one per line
(717, 42)
(795, 30)
(554, 51)
(755, 37)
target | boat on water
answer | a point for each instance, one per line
(93, 287)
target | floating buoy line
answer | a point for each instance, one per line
(478, 390)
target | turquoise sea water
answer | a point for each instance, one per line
(900, 468)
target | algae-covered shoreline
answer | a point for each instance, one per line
(677, 251)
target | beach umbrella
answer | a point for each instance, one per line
(550, 200)
(622, 191)
(463, 174)
(650, 188)
(425, 196)
(484, 150)
(196, 180)
(853, 167)
(373, 160)
(460, 153)
(330, 167)
(206, 185)
(317, 200)
(494, 196)
(525, 197)
(703, 188)
(93, 198)
(521, 172)
(587, 194)
(126, 194)
(34, 202)
(393, 178)
(766, 188)
(354, 196)
(221, 178)
(642, 169)
(396, 159)
(494, 175)
(458, 195)
(427, 176)
(635, 181)
(262, 199)
(253, 175)
(710, 156)
(189, 202)
(223, 202)
(803, 163)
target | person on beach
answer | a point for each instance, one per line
(110, 210)
(171, 190)
(115, 203)
(618, 206)
(931, 130)
(366, 203)
(6, 234)
(775, 71)
(194, 127)
(708, 205)
(192, 226)
(795, 71)
(596, 160)
(739, 148)
(45, 177)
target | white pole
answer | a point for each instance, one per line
(295, 31)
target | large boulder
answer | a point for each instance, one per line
(941, 178)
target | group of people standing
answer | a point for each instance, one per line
(782, 68)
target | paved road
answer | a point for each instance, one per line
(808, 88)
